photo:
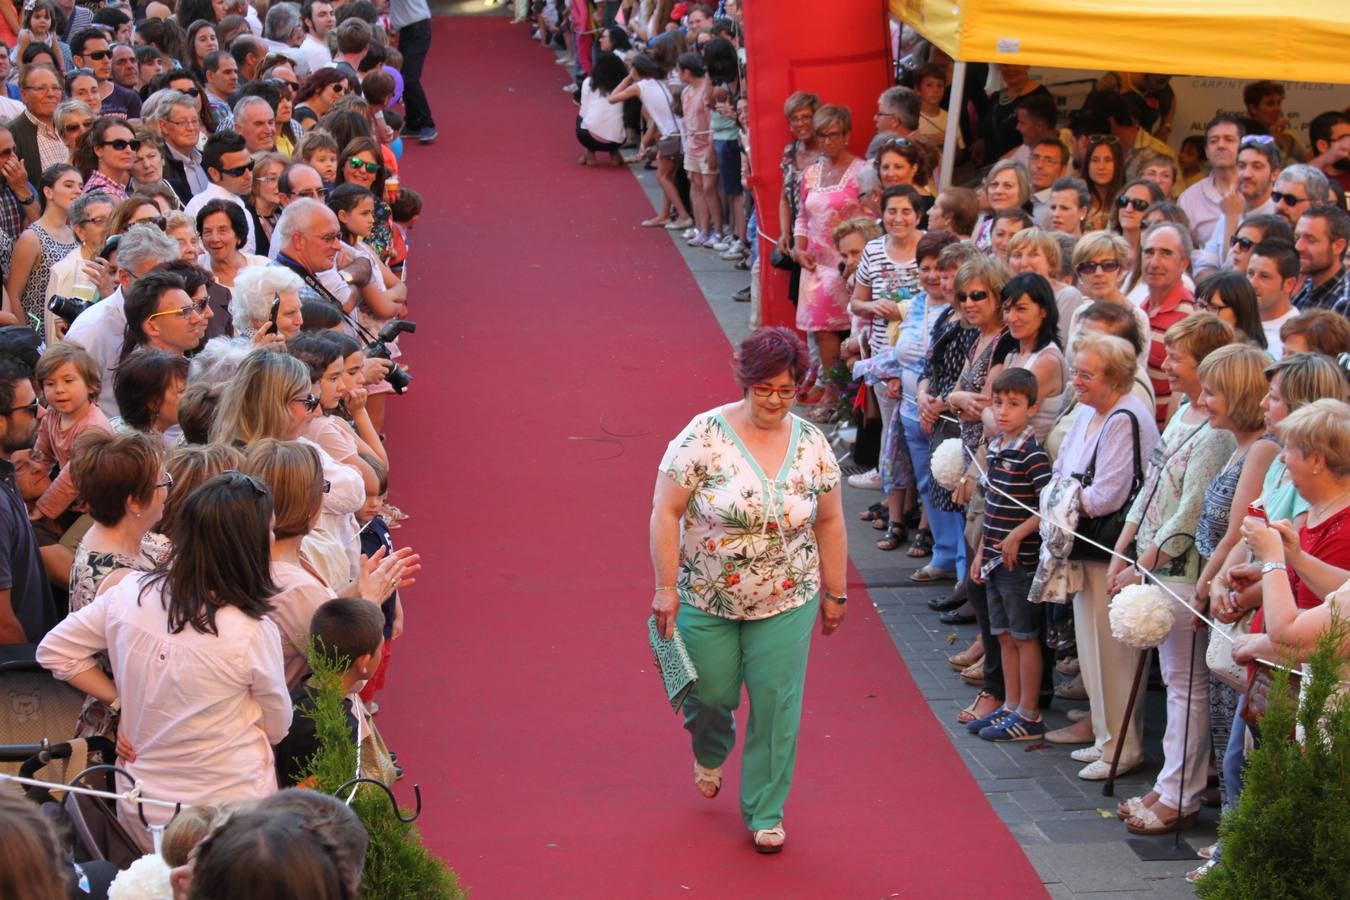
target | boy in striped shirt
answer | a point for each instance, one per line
(1016, 467)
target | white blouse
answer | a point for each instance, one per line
(202, 711)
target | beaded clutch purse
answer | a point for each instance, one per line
(678, 674)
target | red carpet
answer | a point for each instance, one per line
(559, 348)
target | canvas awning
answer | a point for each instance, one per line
(1285, 40)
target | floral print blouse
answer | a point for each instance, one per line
(747, 548)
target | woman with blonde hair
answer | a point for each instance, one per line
(272, 396)
(1101, 260)
(1006, 187)
(1037, 250)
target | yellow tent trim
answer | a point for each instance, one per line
(1285, 40)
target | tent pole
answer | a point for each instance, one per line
(955, 108)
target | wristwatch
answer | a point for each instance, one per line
(1272, 567)
(837, 598)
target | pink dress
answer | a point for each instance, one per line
(822, 300)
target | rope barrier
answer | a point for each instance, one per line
(131, 795)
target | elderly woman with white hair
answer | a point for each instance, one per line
(266, 304)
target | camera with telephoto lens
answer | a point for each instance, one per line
(398, 379)
(68, 308)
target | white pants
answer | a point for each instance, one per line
(1108, 668)
(1175, 657)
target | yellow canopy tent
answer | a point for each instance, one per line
(1285, 40)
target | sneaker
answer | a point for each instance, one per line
(988, 719)
(713, 240)
(1015, 727)
(723, 243)
(1101, 770)
(1086, 754)
(426, 135)
(689, 233)
(742, 296)
(735, 251)
(698, 240)
(866, 481)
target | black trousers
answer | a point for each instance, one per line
(594, 144)
(414, 41)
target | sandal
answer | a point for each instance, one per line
(708, 781)
(656, 222)
(972, 712)
(770, 840)
(1146, 822)
(1196, 874)
(973, 674)
(968, 657)
(928, 574)
(1128, 809)
(921, 544)
(874, 512)
(895, 536)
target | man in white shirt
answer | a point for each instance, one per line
(283, 31)
(319, 20)
(101, 327)
(1048, 162)
(1258, 161)
(1272, 270)
(1201, 201)
(228, 164)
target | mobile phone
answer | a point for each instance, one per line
(1257, 509)
(276, 308)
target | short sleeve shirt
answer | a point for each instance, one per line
(747, 548)
(888, 280)
(21, 570)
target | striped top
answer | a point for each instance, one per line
(1177, 305)
(1020, 469)
(888, 279)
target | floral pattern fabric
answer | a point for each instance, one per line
(822, 298)
(747, 545)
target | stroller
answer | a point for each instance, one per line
(36, 706)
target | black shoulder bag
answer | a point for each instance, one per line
(1106, 529)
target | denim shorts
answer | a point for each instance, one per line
(729, 167)
(1010, 612)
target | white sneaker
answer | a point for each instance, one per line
(1087, 754)
(689, 233)
(722, 243)
(867, 481)
(734, 251)
(713, 240)
(1101, 770)
(699, 240)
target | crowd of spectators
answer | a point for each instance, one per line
(1162, 326)
(204, 246)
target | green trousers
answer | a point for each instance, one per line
(769, 657)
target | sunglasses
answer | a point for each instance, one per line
(1132, 202)
(167, 482)
(309, 400)
(31, 409)
(1256, 140)
(973, 296)
(236, 171)
(196, 307)
(192, 92)
(99, 55)
(1245, 243)
(72, 127)
(1095, 139)
(121, 144)
(157, 221)
(371, 167)
(1109, 266)
(1286, 199)
(339, 87)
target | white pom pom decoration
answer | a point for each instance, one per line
(1141, 616)
(949, 463)
(146, 879)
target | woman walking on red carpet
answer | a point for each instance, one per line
(740, 558)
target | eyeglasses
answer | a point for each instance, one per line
(327, 485)
(309, 400)
(166, 483)
(44, 89)
(98, 55)
(237, 171)
(1095, 139)
(196, 307)
(1109, 266)
(120, 144)
(1080, 375)
(765, 391)
(1210, 306)
(157, 221)
(1133, 202)
(98, 221)
(371, 167)
(830, 135)
(192, 92)
(185, 123)
(72, 127)
(311, 193)
(972, 297)
(31, 409)
(1245, 243)
(329, 237)
(1256, 140)
(1286, 199)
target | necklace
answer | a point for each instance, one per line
(1322, 511)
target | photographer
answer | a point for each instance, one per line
(310, 242)
(79, 272)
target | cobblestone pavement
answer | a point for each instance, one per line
(1067, 828)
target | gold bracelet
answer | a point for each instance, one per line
(667, 587)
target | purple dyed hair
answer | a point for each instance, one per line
(767, 353)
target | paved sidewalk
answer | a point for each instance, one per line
(1067, 828)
